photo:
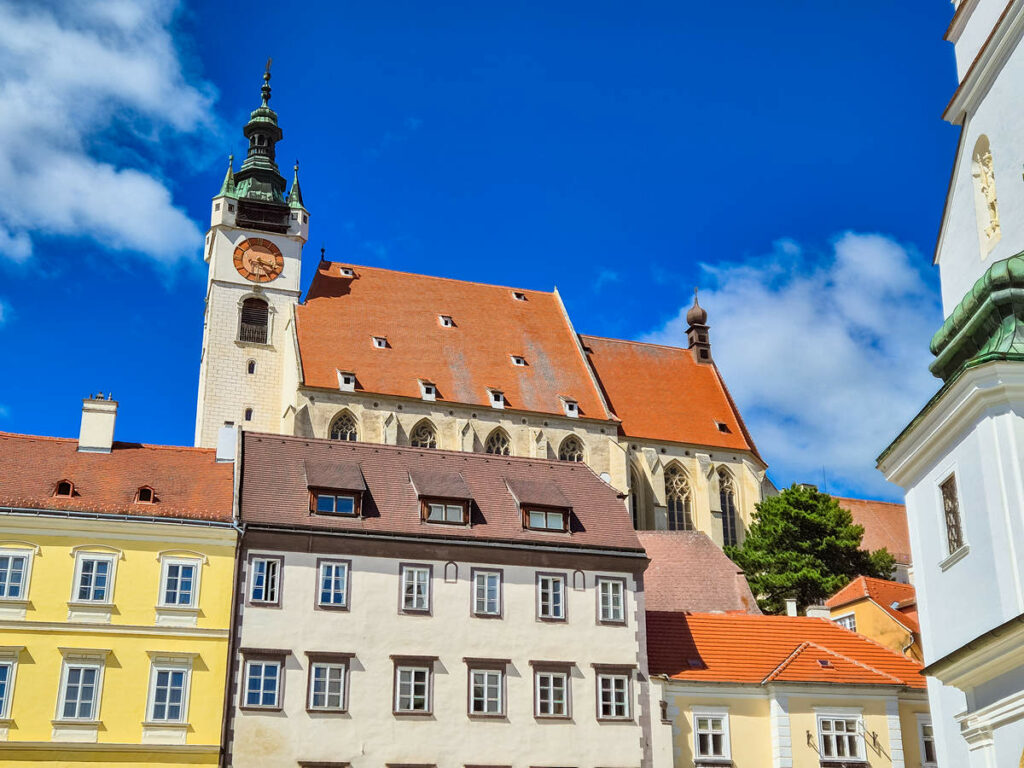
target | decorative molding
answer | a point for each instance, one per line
(110, 629)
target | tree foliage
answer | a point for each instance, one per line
(802, 544)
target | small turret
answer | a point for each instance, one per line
(295, 193)
(697, 332)
(227, 189)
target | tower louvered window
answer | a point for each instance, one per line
(677, 493)
(498, 443)
(255, 321)
(951, 507)
(344, 427)
(727, 497)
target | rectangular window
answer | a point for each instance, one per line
(485, 692)
(415, 588)
(545, 520)
(849, 621)
(924, 727)
(93, 584)
(412, 689)
(487, 593)
(6, 682)
(613, 696)
(327, 686)
(179, 583)
(333, 584)
(839, 737)
(262, 684)
(12, 576)
(80, 693)
(264, 583)
(552, 694)
(551, 597)
(951, 509)
(611, 596)
(442, 512)
(711, 734)
(167, 699)
(336, 504)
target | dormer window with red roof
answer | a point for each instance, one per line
(444, 497)
(65, 488)
(545, 519)
(335, 488)
(145, 495)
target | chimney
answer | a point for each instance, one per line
(817, 612)
(98, 416)
(227, 439)
(791, 607)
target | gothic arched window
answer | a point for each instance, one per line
(677, 494)
(634, 497)
(344, 427)
(986, 204)
(254, 322)
(727, 496)
(498, 443)
(571, 449)
(423, 435)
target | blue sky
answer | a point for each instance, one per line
(788, 157)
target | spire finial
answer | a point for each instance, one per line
(266, 83)
(323, 253)
(696, 314)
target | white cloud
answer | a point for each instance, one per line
(3, 312)
(89, 90)
(825, 353)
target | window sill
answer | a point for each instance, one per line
(157, 732)
(176, 616)
(610, 623)
(557, 718)
(411, 713)
(249, 708)
(415, 611)
(240, 343)
(487, 616)
(13, 608)
(326, 711)
(858, 763)
(76, 730)
(484, 716)
(953, 559)
(90, 612)
(615, 720)
(711, 762)
(552, 619)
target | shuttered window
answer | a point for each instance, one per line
(255, 319)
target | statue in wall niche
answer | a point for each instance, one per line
(986, 179)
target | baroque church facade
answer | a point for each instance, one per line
(379, 356)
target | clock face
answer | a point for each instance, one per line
(258, 260)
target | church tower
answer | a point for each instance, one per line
(254, 249)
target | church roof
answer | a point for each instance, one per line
(885, 525)
(186, 482)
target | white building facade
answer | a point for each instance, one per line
(960, 460)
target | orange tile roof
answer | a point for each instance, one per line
(883, 592)
(342, 314)
(187, 482)
(746, 649)
(661, 393)
(885, 525)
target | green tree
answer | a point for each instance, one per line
(802, 544)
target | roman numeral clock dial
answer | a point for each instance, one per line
(258, 260)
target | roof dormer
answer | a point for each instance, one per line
(64, 489)
(346, 381)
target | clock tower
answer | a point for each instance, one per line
(254, 249)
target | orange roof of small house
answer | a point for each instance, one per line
(341, 315)
(885, 525)
(758, 650)
(186, 482)
(662, 393)
(895, 598)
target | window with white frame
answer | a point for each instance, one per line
(14, 565)
(545, 519)
(327, 686)
(612, 696)
(180, 586)
(487, 593)
(552, 694)
(485, 692)
(551, 596)
(80, 691)
(265, 580)
(168, 692)
(711, 734)
(263, 683)
(611, 600)
(7, 668)
(412, 689)
(839, 736)
(847, 620)
(416, 588)
(94, 578)
(927, 739)
(333, 584)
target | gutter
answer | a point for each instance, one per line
(112, 517)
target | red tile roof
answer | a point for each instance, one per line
(341, 314)
(187, 482)
(885, 525)
(661, 393)
(883, 592)
(275, 492)
(737, 648)
(688, 572)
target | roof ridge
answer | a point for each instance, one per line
(868, 667)
(633, 341)
(780, 668)
(115, 443)
(437, 277)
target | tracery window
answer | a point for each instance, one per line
(571, 449)
(677, 493)
(423, 435)
(951, 508)
(344, 427)
(498, 443)
(727, 497)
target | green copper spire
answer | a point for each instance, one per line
(228, 187)
(295, 193)
(259, 177)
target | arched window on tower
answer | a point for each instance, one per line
(635, 501)
(986, 204)
(254, 321)
(677, 494)
(498, 443)
(571, 449)
(344, 427)
(423, 435)
(727, 497)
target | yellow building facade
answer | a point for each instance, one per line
(885, 611)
